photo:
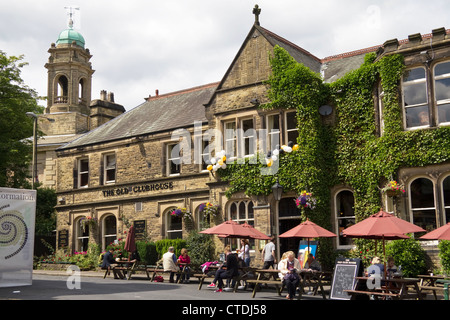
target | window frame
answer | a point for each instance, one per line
(435, 99)
(106, 168)
(337, 218)
(169, 147)
(81, 173)
(405, 84)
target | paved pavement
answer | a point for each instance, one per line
(58, 285)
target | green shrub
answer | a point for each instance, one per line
(147, 252)
(409, 255)
(201, 248)
(444, 254)
(162, 246)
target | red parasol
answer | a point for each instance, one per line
(442, 233)
(230, 229)
(307, 229)
(130, 242)
(256, 233)
(381, 225)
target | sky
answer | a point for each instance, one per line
(140, 46)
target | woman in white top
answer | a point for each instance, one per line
(289, 268)
(244, 254)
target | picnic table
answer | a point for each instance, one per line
(394, 288)
(314, 279)
(262, 278)
(159, 269)
(430, 283)
(244, 275)
(128, 268)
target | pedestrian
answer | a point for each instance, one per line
(245, 252)
(268, 254)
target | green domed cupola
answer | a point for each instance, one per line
(69, 35)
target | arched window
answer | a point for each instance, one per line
(81, 92)
(81, 235)
(446, 198)
(109, 229)
(242, 212)
(345, 215)
(174, 229)
(423, 207)
(62, 92)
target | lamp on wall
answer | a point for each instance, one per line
(277, 190)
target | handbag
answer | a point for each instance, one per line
(158, 279)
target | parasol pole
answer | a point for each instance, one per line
(384, 260)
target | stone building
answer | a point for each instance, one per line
(130, 170)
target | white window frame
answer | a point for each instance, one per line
(168, 225)
(427, 103)
(107, 168)
(250, 137)
(230, 139)
(273, 132)
(169, 160)
(444, 101)
(105, 236)
(286, 129)
(82, 173)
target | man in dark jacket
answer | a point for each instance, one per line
(110, 263)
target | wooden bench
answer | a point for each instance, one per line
(159, 269)
(263, 281)
(243, 276)
(373, 293)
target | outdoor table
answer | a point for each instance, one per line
(124, 265)
(396, 288)
(429, 282)
(446, 283)
(260, 279)
(184, 270)
(313, 279)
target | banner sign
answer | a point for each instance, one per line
(17, 222)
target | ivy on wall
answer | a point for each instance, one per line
(351, 152)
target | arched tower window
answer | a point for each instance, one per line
(62, 92)
(81, 91)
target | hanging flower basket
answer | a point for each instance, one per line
(186, 215)
(305, 200)
(393, 189)
(207, 208)
(89, 222)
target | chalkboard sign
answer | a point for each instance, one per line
(345, 271)
(139, 229)
(63, 238)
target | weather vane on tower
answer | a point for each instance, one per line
(71, 12)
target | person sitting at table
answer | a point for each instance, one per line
(170, 263)
(232, 269)
(289, 269)
(376, 268)
(312, 264)
(110, 263)
(186, 260)
(244, 254)
(392, 269)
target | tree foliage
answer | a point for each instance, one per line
(16, 99)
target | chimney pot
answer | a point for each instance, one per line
(157, 92)
(110, 96)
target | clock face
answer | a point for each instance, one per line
(325, 110)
